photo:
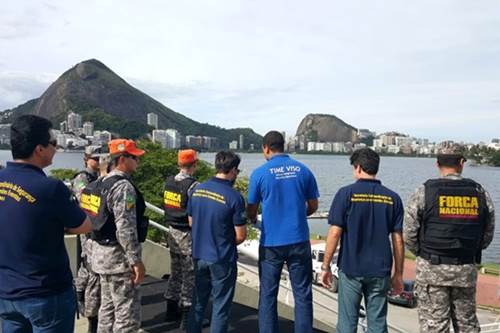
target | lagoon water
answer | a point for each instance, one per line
(401, 174)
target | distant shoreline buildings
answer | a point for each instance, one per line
(75, 135)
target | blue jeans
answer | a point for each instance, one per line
(299, 264)
(49, 314)
(374, 290)
(218, 280)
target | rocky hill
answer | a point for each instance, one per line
(101, 96)
(326, 128)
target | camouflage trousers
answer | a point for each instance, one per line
(438, 304)
(88, 290)
(181, 281)
(120, 304)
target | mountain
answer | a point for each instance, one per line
(101, 96)
(326, 128)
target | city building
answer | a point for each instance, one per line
(233, 145)
(160, 136)
(88, 128)
(153, 120)
(242, 142)
(102, 137)
(5, 134)
(74, 121)
(174, 138)
(63, 126)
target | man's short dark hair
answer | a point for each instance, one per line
(275, 141)
(367, 159)
(225, 161)
(450, 160)
(27, 132)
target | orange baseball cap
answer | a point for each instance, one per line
(124, 146)
(187, 156)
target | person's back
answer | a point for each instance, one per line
(362, 216)
(284, 185)
(369, 210)
(216, 213)
(288, 192)
(36, 291)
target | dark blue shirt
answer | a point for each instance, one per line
(35, 209)
(283, 185)
(367, 212)
(215, 208)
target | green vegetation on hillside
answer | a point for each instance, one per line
(484, 155)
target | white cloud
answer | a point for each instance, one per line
(412, 66)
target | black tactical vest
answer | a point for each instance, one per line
(175, 198)
(90, 177)
(453, 221)
(94, 202)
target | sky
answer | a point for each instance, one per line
(425, 68)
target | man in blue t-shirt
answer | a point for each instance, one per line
(36, 292)
(362, 216)
(288, 192)
(217, 216)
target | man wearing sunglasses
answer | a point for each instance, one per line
(36, 291)
(87, 282)
(118, 231)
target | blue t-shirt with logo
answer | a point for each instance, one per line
(35, 210)
(216, 208)
(367, 212)
(283, 185)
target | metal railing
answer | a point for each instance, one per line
(285, 286)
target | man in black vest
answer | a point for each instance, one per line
(448, 221)
(175, 199)
(87, 282)
(116, 209)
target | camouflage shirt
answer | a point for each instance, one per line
(119, 258)
(442, 275)
(77, 185)
(80, 181)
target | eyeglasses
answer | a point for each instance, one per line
(135, 158)
(53, 142)
(94, 159)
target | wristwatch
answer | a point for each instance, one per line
(326, 268)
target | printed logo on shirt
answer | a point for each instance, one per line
(209, 195)
(458, 207)
(172, 199)
(373, 198)
(284, 172)
(15, 192)
(90, 203)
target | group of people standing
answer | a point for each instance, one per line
(446, 224)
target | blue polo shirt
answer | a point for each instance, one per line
(35, 209)
(367, 212)
(216, 208)
(283, 185)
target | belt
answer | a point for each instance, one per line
(437, 259)
(106, 242)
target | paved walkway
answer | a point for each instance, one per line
(487, 286)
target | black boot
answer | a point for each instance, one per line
(92, 324)
(185, 318)
(172, 313)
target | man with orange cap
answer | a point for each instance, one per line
(119, 228)
(175, 199)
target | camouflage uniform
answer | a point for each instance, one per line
(87, 282)
(120, 299)
(444, 291)
(181, 281)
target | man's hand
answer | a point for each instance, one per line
(326, 279)
(397, 284)
(138, 271)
